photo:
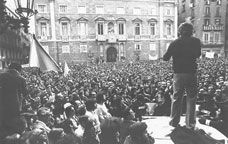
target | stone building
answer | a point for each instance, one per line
(112, 30)
(208, 18)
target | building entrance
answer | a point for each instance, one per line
(111, 54)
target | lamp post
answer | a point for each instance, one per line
(25, 10)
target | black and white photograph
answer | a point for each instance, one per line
(113, 72)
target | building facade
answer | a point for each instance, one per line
(208, 18)
(14, 42)
(112, 30)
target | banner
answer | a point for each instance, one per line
(209, 55)
(153, 57)
(40, 58)
(66, 69)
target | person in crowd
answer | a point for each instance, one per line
(139, 135)
(220, 120)
(185, 50)
(12, 92)
(101, 109)
(128, 120)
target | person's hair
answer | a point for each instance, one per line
(100, 97)
(136, 132)
(126, 113)
(90, 104)
(69, 110)
(185, 29)
(15, 66)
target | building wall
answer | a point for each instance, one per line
(69, 47)
(195, 13)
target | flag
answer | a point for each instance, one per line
(66, 69)
(153, 57)
(209, 55)
(40, 58)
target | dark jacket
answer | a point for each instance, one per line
(12, 89)
(184, 51)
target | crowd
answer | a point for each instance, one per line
(104, 103)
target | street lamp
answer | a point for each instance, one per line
(24, 8)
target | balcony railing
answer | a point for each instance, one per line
(83, 38)
(137, 37)
(122, 37)
(100, 38)
(212, 28)
(65, 38)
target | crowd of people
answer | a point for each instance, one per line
(105, 103)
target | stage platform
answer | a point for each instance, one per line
(158, 127)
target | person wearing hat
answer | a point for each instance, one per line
(184, 51)
(12, 92)
(138, 134)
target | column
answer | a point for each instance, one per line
(52, 13)
(176, 20)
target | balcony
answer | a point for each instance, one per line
(65, 38)
(212, 28)
(122, 38)
(212, 43)
(112, 38)
(43, 38)
(83, 38)
(100, 38)
(137, 37)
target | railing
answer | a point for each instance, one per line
(212, 28)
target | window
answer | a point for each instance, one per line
(183, 7)
(217, 21)
(207, 2)
(83, 49)
(211, 37)
(168, 11)
(65, 49)
(217, 11)
(152, 47)
(152, 28)
(218, 2)
(121, 28)
(64, 28)
(153, 10)
(206, 37)
(62, 8)
(100, 28)
(206, 22)
(42, 8)
(137, 47)
(46, 48)
(120, 10)
(137, 28)
(137, 11)
(81, 9)
(99, 9)
(207, 11)
(82, 28)
(169, 29)
(217, 37)
(43, 29)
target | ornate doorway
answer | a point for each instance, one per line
(111, 54)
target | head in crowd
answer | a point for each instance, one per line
(185, 29)
(45, 115)
(15, 66)
(128, 114)
(90, 105)
(137, 132)
(100, 98)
